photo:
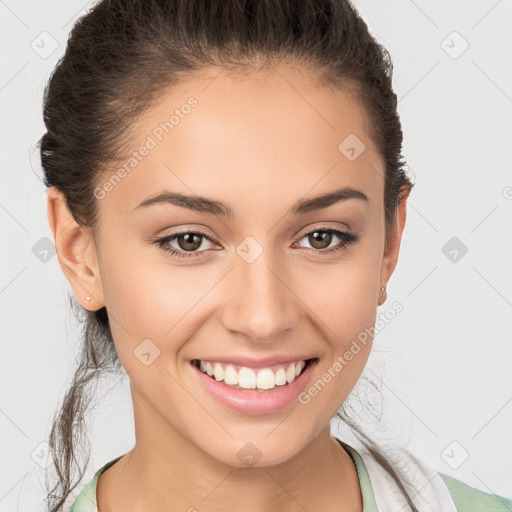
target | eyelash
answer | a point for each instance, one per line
(346, 237)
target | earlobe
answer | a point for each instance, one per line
(76, 252)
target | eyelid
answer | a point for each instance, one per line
(201, 230)
(208, 234)
(345, 234)
(324, 226)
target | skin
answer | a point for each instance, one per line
(260, 144)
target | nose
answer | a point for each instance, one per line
(260, 301)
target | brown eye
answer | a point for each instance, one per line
(191, 241)
(320, 239)
(187, 242)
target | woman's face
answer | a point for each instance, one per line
(255, 287)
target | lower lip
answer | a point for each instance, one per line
(252, 401)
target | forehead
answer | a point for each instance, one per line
(276, 132)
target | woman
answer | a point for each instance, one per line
(227, 196)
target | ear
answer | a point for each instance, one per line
(76, 252)
(392, 248)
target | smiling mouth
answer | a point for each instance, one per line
(248, 378)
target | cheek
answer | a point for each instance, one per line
(344, 310)
(145, 294)
(343, 304)
(151, 298)
(342, 296)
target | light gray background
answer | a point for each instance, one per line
(446, 356)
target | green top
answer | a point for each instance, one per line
(466, 498)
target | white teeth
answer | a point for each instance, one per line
(280, 377)
(290, 374)
(266, 379)
(247, 378)
(231, 375)
(218, 372)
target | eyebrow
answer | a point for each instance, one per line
(205, 205)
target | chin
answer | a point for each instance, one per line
(259, 451)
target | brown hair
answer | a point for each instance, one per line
(120, 56)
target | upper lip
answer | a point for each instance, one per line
(261, 362)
